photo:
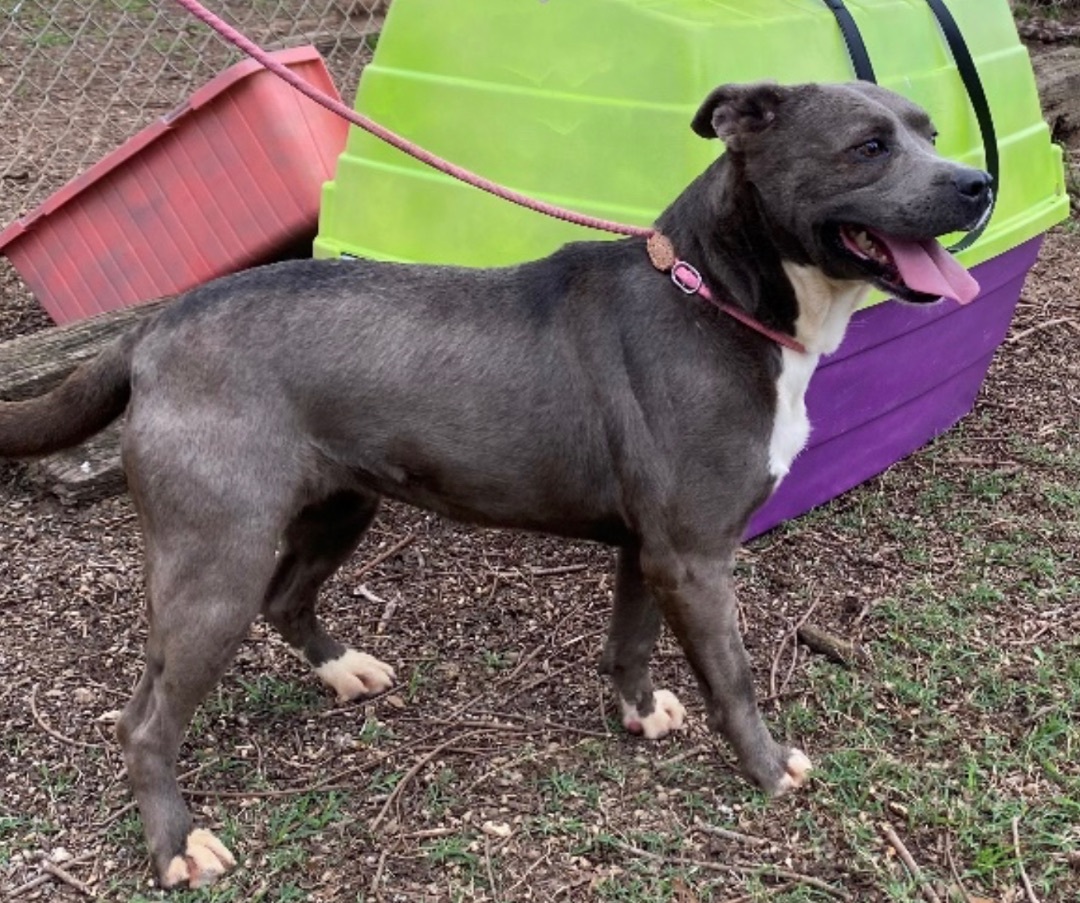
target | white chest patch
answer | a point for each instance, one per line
(825, 307)
(791, 427)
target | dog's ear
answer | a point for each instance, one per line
(734, 111)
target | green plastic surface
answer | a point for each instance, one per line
(587, 104)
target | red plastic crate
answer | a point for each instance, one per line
(230, 179)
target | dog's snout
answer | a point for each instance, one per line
(972, 183)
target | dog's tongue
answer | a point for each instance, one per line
(927, 267)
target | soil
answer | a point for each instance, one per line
(495, 637)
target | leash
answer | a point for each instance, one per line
(969, 75)
(685, 276)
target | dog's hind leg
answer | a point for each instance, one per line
(635, 626)
(205, 584)
(315, 544)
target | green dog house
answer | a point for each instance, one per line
(587, 104)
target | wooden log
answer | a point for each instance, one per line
(1057, 74)
(86, 473)
(31, 365)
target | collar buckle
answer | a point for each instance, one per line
(686, 277)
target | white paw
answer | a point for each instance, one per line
(667, 715)
(205, 860)
(355, 674)
(797, 768)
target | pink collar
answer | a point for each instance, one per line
(688, 279)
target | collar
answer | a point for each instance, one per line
(689, 280)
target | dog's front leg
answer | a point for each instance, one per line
(696, 594)
(635, 626)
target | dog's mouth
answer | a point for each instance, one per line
(920, 270)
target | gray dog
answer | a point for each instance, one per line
(583, 395)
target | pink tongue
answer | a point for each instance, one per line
(927, 267)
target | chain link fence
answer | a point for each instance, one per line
(78, 77)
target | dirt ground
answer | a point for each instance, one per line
(496, 769)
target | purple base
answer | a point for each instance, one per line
(903, 375)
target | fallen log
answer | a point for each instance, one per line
(31, 365)
(1057, 74)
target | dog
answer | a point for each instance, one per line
(583, 395)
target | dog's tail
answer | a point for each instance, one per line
(91, 398)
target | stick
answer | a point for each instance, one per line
(544, 572)
(755, 870)
(684, 755)
(835, 648)
(490, 870)
(384, 618)
(902, 851)
(56, 735)
(1028, 889)
(955, 873)
(68, 879)
(377, 878)
(383, 556)
(43, 878)
(728, 834)
(412, 773)
(774, 693)
(538, 681)
(1020, 336)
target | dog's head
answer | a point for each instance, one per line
(850, 173)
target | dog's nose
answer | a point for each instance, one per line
(972, 183)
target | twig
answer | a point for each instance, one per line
(388, 613)
(556, 571)
(394, 794)
(44, 877)
(37, 881)
(383, 556)
(732, 868)
(115, 816)
(791, 635)
(68, 879)
(525, 874)
(1047, 324)
(530, 723)
(912, 866)
(684, 755)
(376, 879)
(56, 735)
(560, 569)
(1028, 889)
(490, 870)
(542, 679)
(835, 648)
(749, 898)
(365, 593)
(955, 872)
(728, 834)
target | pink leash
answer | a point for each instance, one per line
(685, 276)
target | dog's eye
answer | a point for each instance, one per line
(933, 138)
(872, 149)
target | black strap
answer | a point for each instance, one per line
(969, 74)
(860, 59)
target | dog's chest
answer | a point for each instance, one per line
(791, 427)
